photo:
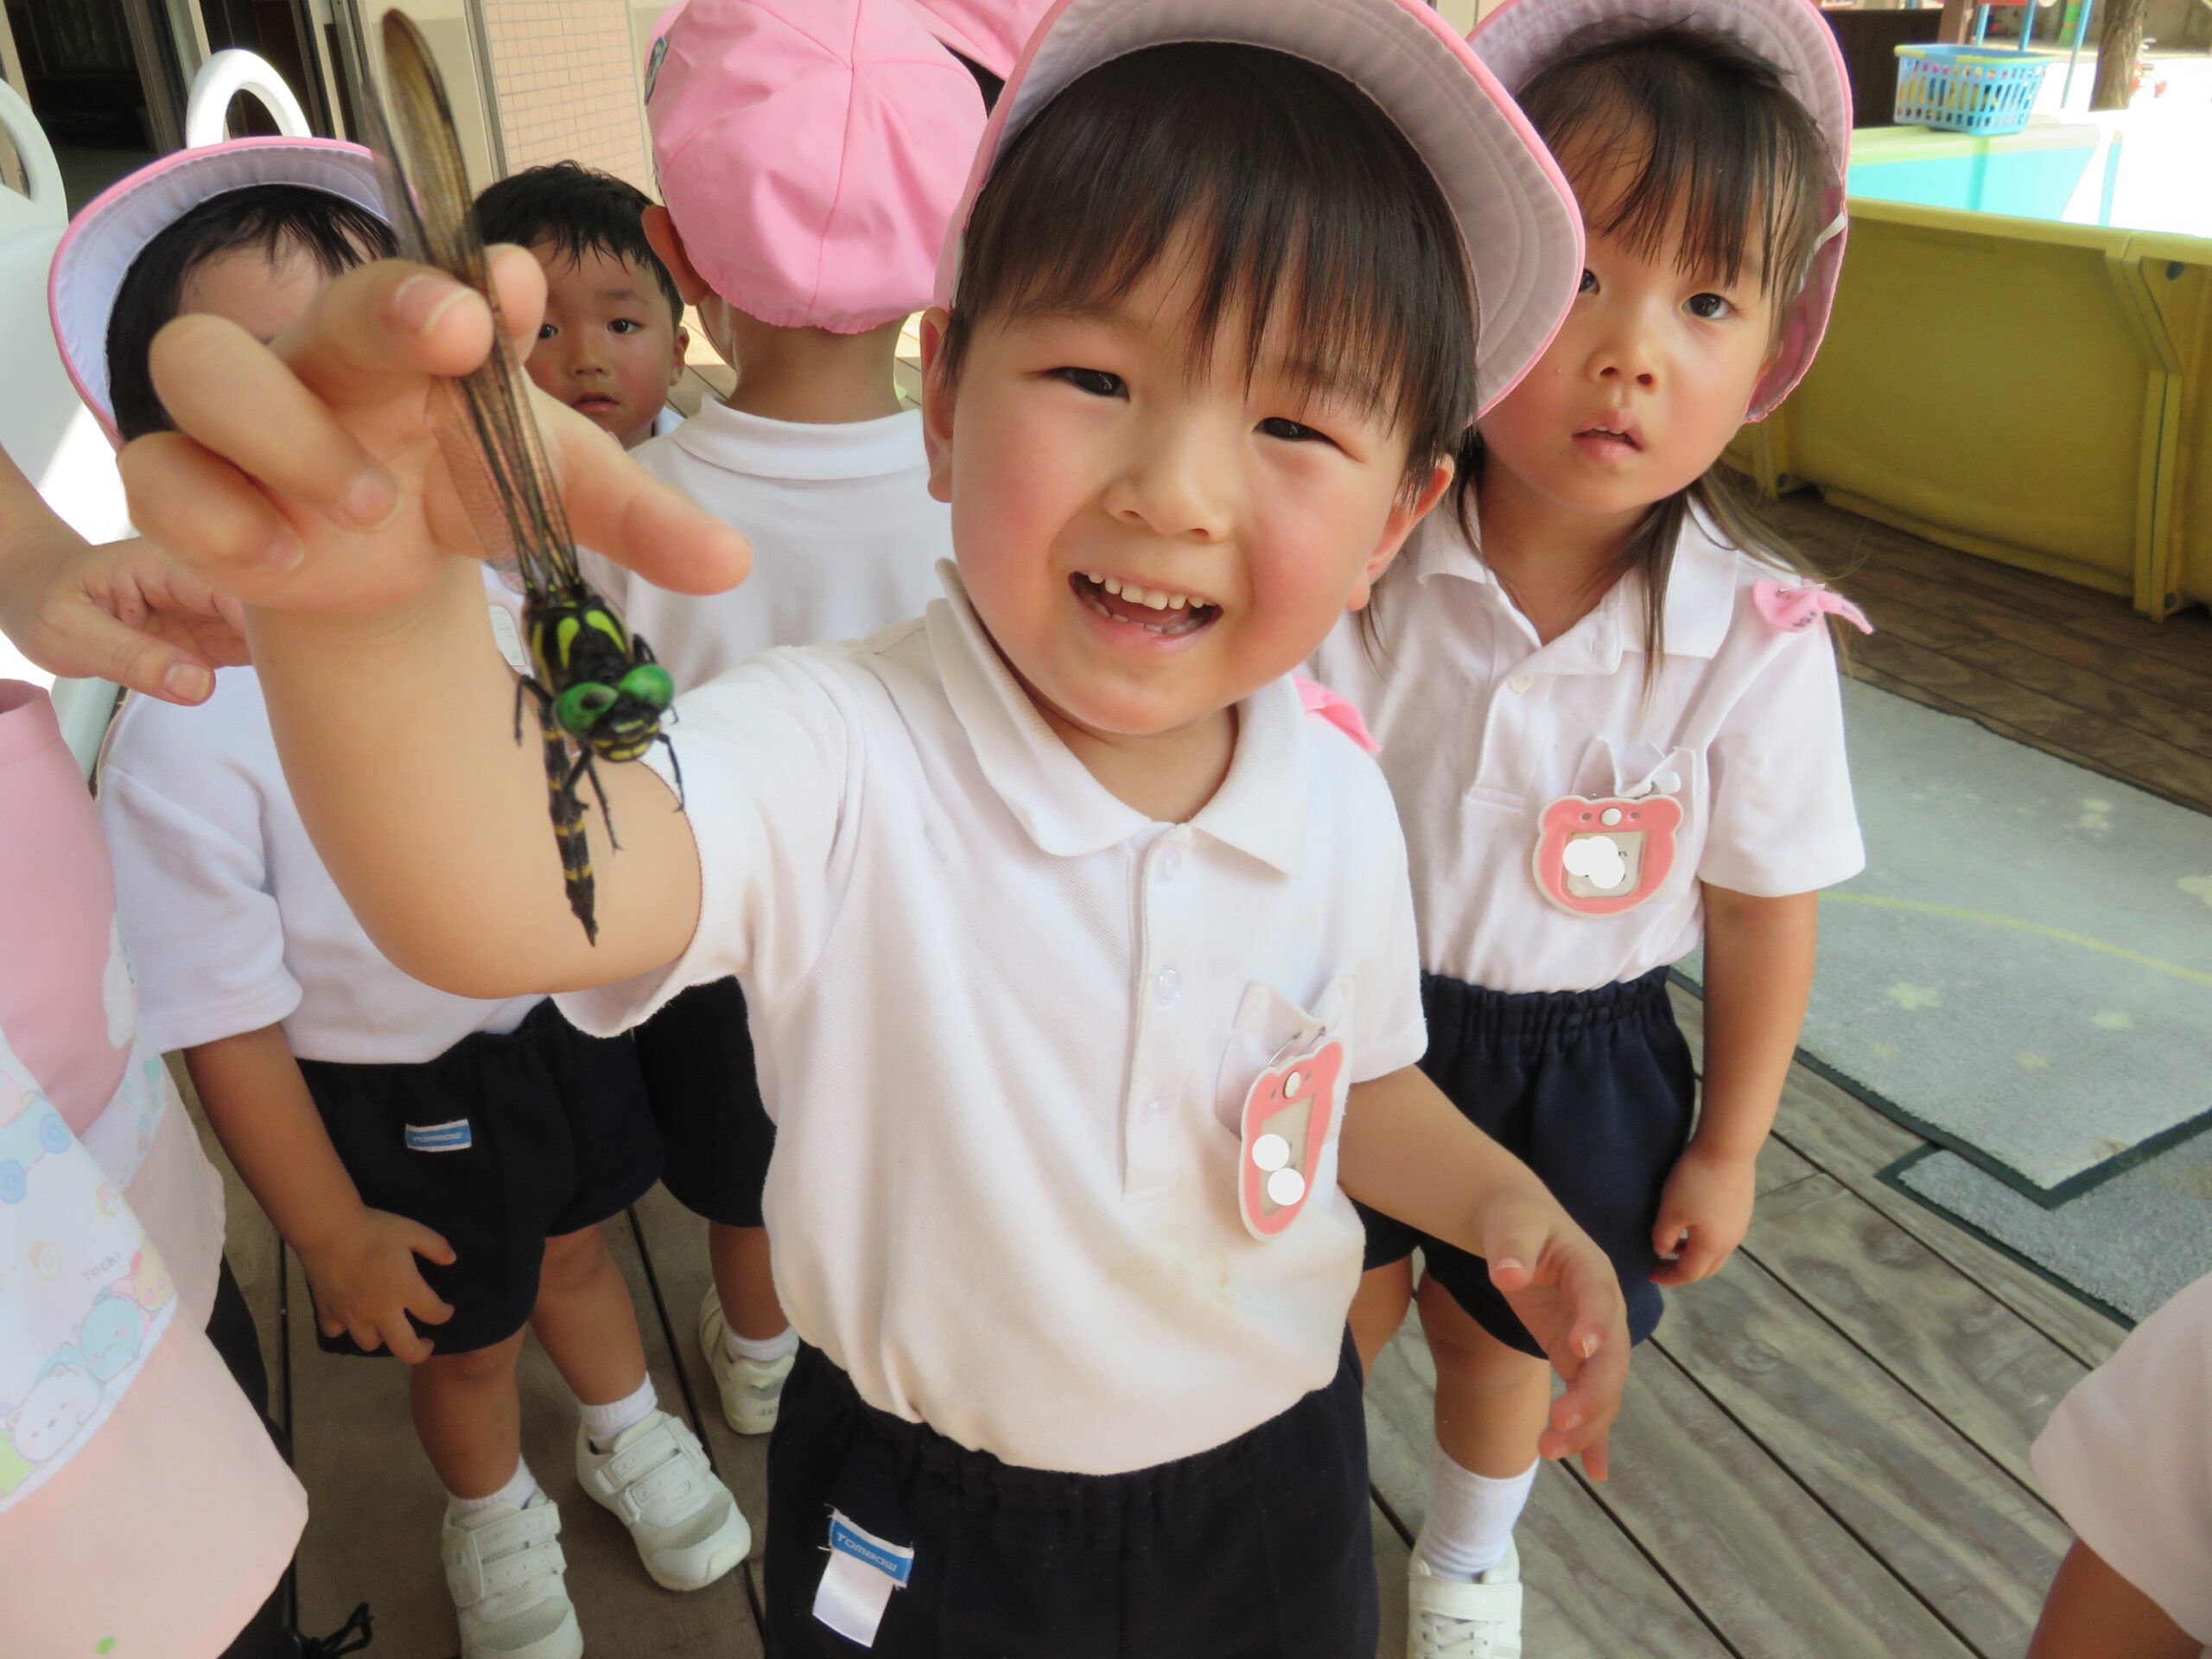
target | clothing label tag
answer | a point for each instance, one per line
(440, 1137)
(509, 639)
(857, 1583)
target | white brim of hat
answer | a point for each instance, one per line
(1520, 37)
(1518, 220)
(104, 241)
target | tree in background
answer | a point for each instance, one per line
(2120, 44)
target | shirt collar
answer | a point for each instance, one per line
(737, 442)
(1700, 594)
(1260, 808)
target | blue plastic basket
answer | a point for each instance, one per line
(1966, 88)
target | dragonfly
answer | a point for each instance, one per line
(598, 691)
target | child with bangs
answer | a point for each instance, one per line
(1645, 750)
(1075, 933)
(613, 342)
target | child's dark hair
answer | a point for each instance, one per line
(1733, 159)
(579, 210)
(1293, 190)
(336, 233)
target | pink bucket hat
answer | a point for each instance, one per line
(810, 153)
(1516, 216)
(104, 240)
(1520, 37)
(989, 32)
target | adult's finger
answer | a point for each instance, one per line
(85, 642)
(617, 508)
(208, 514)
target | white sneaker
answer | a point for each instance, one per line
(686, 1526)
(751, 1392)
(1451, 1620)
(505, 1569)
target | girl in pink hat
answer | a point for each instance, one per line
(1076, 937)
(1646, 748)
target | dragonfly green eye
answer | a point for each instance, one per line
(650, 684)
(581, 707)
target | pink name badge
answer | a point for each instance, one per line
(1286, 1123)
(1600, 857)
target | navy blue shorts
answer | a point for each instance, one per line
(1594, 1091)
(1258, 1548)
(500, 1143)
(696, 1054)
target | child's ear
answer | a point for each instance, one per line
(668, 246)
(682, 356)
(1410, 507)
(937, 403)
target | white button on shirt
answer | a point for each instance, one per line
(845, 536)
(231, 920)
(1007, 1060)
(1744, 730)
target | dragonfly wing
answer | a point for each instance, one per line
(492, 445)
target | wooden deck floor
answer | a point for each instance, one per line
(1825, 1451)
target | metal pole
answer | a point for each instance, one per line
(2081, 31)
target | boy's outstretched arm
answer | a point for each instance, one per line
(307, 477)
(1406, 1150)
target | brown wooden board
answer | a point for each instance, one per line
(1773, 1571)
(1848, 1139)
(1964, 1532)
(375, 1508)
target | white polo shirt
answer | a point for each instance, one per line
(2126, 1459)
(231, 921)
(1483, 729)
(845, 536)
(1005, 1025)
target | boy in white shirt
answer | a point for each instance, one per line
(2126, 1459)
(809, 173)
(441, 1165)
(611, 345)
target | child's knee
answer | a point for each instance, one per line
(573, 1263)
(475, 1368)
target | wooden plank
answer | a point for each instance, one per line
(1569, 1547)
(1964, 1532)
(1986, 1371)
(2151, 762)
(1392, 1552)
(2187, 685)
(1844, 1137)
(1773, 1571)
(2186, 639)
(375, 1508)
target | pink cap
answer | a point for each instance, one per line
(989, 32)
(1521, 36)
(105, 238)
(1517, 220)
(810, 153)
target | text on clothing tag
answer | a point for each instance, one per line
(454, 1136)
(857, 1583)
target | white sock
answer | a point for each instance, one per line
(1470, 1517)
(521, 1487)
(765, 1350)
(604, 1424)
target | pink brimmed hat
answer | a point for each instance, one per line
(810, 153)
(1520, 37)
(105, 240)
(1517, 220)
(989, 32)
